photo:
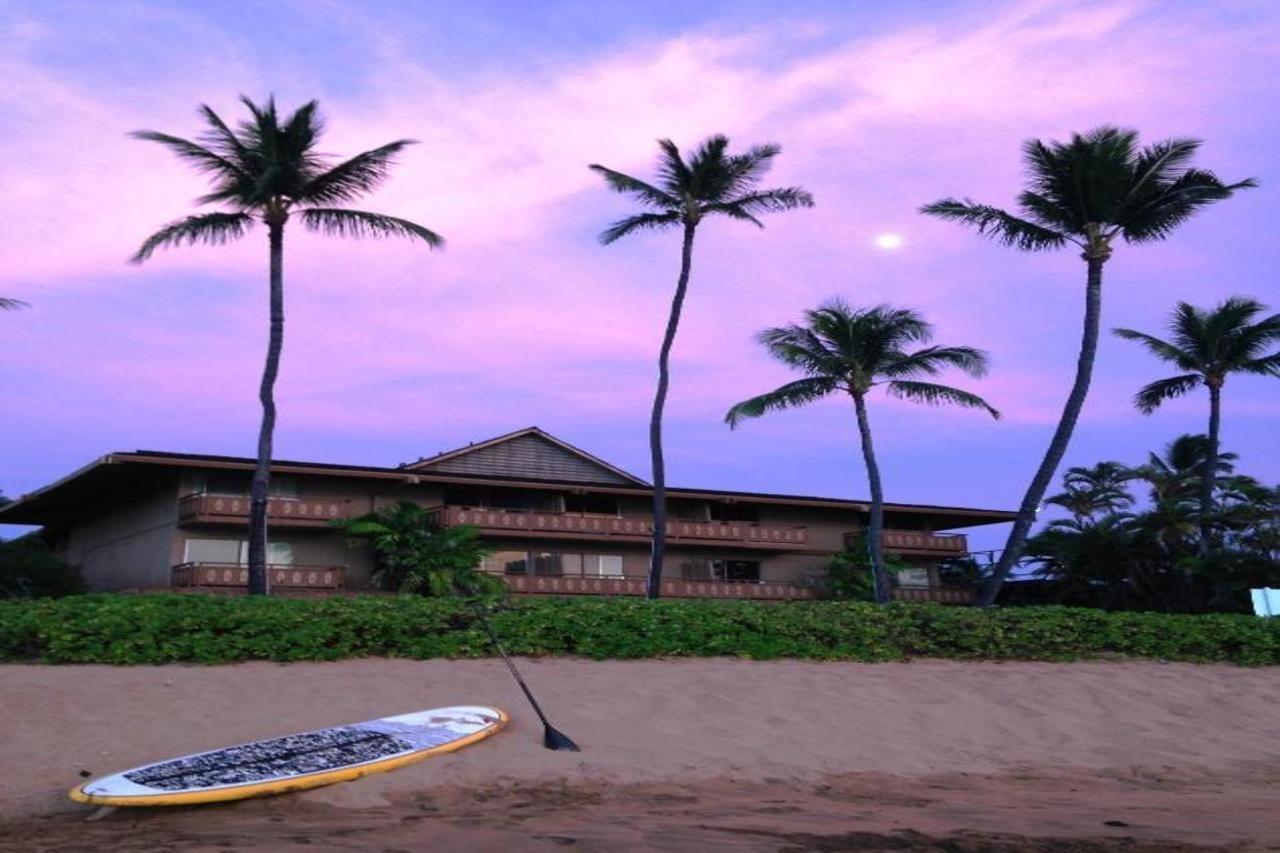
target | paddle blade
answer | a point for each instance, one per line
(554, 739)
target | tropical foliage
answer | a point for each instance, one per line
(1208, 346)
(30, 569)
(153, 629)
(1085, 194)
(7, 304)
(1134, 551)
(268, 170)
(711, 183)
(852, 351)
(414, 555)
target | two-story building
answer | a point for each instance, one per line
(558, 520)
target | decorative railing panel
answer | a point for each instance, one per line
(919, 542)
(211, 575)
(671, 587)
(534, 523)
(204, 508)
(934, 594)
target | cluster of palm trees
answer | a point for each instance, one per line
(1090, 192)
(1121, 550)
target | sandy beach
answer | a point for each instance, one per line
(680, 754)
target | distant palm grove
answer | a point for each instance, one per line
(1183, 530)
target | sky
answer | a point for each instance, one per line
(393, 351)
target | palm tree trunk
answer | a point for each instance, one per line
(1210, 469)
(1061, 437)
(653, 588)
(262, 472)
(875, 527)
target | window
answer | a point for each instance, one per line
(913, 577)
(217, 482)
(599, 504)
(602, 565)
(507, 562)
(504, 499)
(720, 570)
(547, 563)
(213, 551)
(735, 512)
(284, 487)
(234, 552)
(688, 510)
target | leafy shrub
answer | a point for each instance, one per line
(29, 569)
(124, 629)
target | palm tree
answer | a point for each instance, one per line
(1086, 193)
(848, 350)
(1097, 489)
(11, 304)
(269, 170)
(1173, 474)
(711, 183)
(1208, 346)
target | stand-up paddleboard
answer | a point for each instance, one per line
(295, 762)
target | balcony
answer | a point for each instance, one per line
(279, 577)
(918, 543)
(934, 594)
(671, 587)
(534, 524)
(204, 508)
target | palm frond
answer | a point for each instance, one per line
(1151, 396)
(673, 172)
(627, 185)
(11, 304)
(213, 229)
(359, 223)
(744, 171)
(1266, 366)
(938, 395)
(789, 396)
(1161, 349)
(933, 360)
(200, 156)
(1003, 227)
(1163, 208)
(354, 177)
(639, 222)
(771, 201)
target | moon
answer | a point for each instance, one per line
(889, 242)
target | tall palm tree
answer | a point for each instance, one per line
(268, 170)
(1086, 193)
(1173, 474)
(710, 183)
(842, 349)
(1093, 490)
(1208, 346)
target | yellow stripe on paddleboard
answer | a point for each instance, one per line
(283, 786)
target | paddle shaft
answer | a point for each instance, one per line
(493, 638)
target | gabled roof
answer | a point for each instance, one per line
(528, 453)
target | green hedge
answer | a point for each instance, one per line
(132, 629)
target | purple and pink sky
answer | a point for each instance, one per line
(394, 352)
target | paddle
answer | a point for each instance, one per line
(552, 738)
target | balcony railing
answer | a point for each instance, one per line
(281, 577)
(671, 587)
(622, 528)
(918, 542)
(934, 594)
(205, 508)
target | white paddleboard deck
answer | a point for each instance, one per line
(295, 762)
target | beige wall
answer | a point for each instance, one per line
(128, 545)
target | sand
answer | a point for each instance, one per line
(679, 754)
